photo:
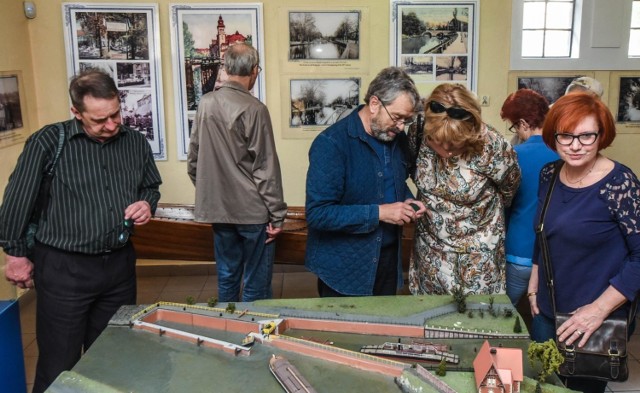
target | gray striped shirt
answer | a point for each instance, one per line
(93, 184)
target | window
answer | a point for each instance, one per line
(547, 28)
(634, 36)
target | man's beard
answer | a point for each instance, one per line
(381, 133)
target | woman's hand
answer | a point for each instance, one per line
(587, 319)
(532, 291)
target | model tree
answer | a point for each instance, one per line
(191, 300)
(460, 298)
(548, 355)
(212, 301)
(231, 308)
(442, 368)
(517, 328)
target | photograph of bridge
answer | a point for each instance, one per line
(436, 42)
(324, 35)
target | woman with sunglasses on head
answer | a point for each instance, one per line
(592, 228)
(466, 175)
(525, 110)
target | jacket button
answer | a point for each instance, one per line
(380, 174)
(375, 260)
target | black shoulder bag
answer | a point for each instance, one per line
(42, 200)
(604, 356)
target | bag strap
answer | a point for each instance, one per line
(544, 248)
(42, 200)
(542, 238)
(61, 137)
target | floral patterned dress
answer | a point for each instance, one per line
(459, 242)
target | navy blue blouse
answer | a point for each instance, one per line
(594, 239)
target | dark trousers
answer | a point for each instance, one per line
(386, 283)
(77, 294)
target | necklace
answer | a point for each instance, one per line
(579, 181)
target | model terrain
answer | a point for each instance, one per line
(321, 339)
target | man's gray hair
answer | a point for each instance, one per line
(239, 59)
(390, 83)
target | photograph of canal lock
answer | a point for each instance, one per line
(324, 35)
(435, 43)
(322, 102)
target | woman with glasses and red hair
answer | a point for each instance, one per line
(525, 109)
(592, 228)
(466, 175)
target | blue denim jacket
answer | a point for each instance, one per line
(345, 186)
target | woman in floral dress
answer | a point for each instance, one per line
(467, 173)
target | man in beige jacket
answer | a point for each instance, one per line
(232, 161)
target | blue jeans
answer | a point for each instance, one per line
(240, 250)
(517, 281)
(542, 329)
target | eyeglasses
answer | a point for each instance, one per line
(514, 127)
(127, 230)
(585, 139)
(405, 122)
(119, 235)
(259, 68)
(454, 112)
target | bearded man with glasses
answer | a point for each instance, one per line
(466, 175)
(357, 195)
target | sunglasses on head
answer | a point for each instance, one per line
(454, 112)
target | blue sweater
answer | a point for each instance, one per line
(345, 186)
(532, 156)
(594, 239)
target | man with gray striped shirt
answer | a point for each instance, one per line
(83, 264)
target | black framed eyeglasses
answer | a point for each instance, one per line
(119, 235)
(453, 112)
(127, 231)
(514, 127)
(585, 139)
(405, 122)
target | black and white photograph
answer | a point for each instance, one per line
(551, 87)
(322, 102)
(629, 100)
(446, 31)
(107, 66)
(324, 35)
(137, 111)
(200, 38)
(10, 109)
(122, 40)
(134, 74)
(418, 65)
(110, 35)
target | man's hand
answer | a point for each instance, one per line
(18, 271)
(272, 233)
(417, 206)
(139, 212)
(398, 213)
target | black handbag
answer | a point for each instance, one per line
(42, 200)
(604, 356)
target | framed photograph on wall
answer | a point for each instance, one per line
(122, 40)
(13, 114)
(331, 39)
(551, 84)
(624, 101)
(316, 103)
(436, 42)
(201, 34)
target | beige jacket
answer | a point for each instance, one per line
(232, 160)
